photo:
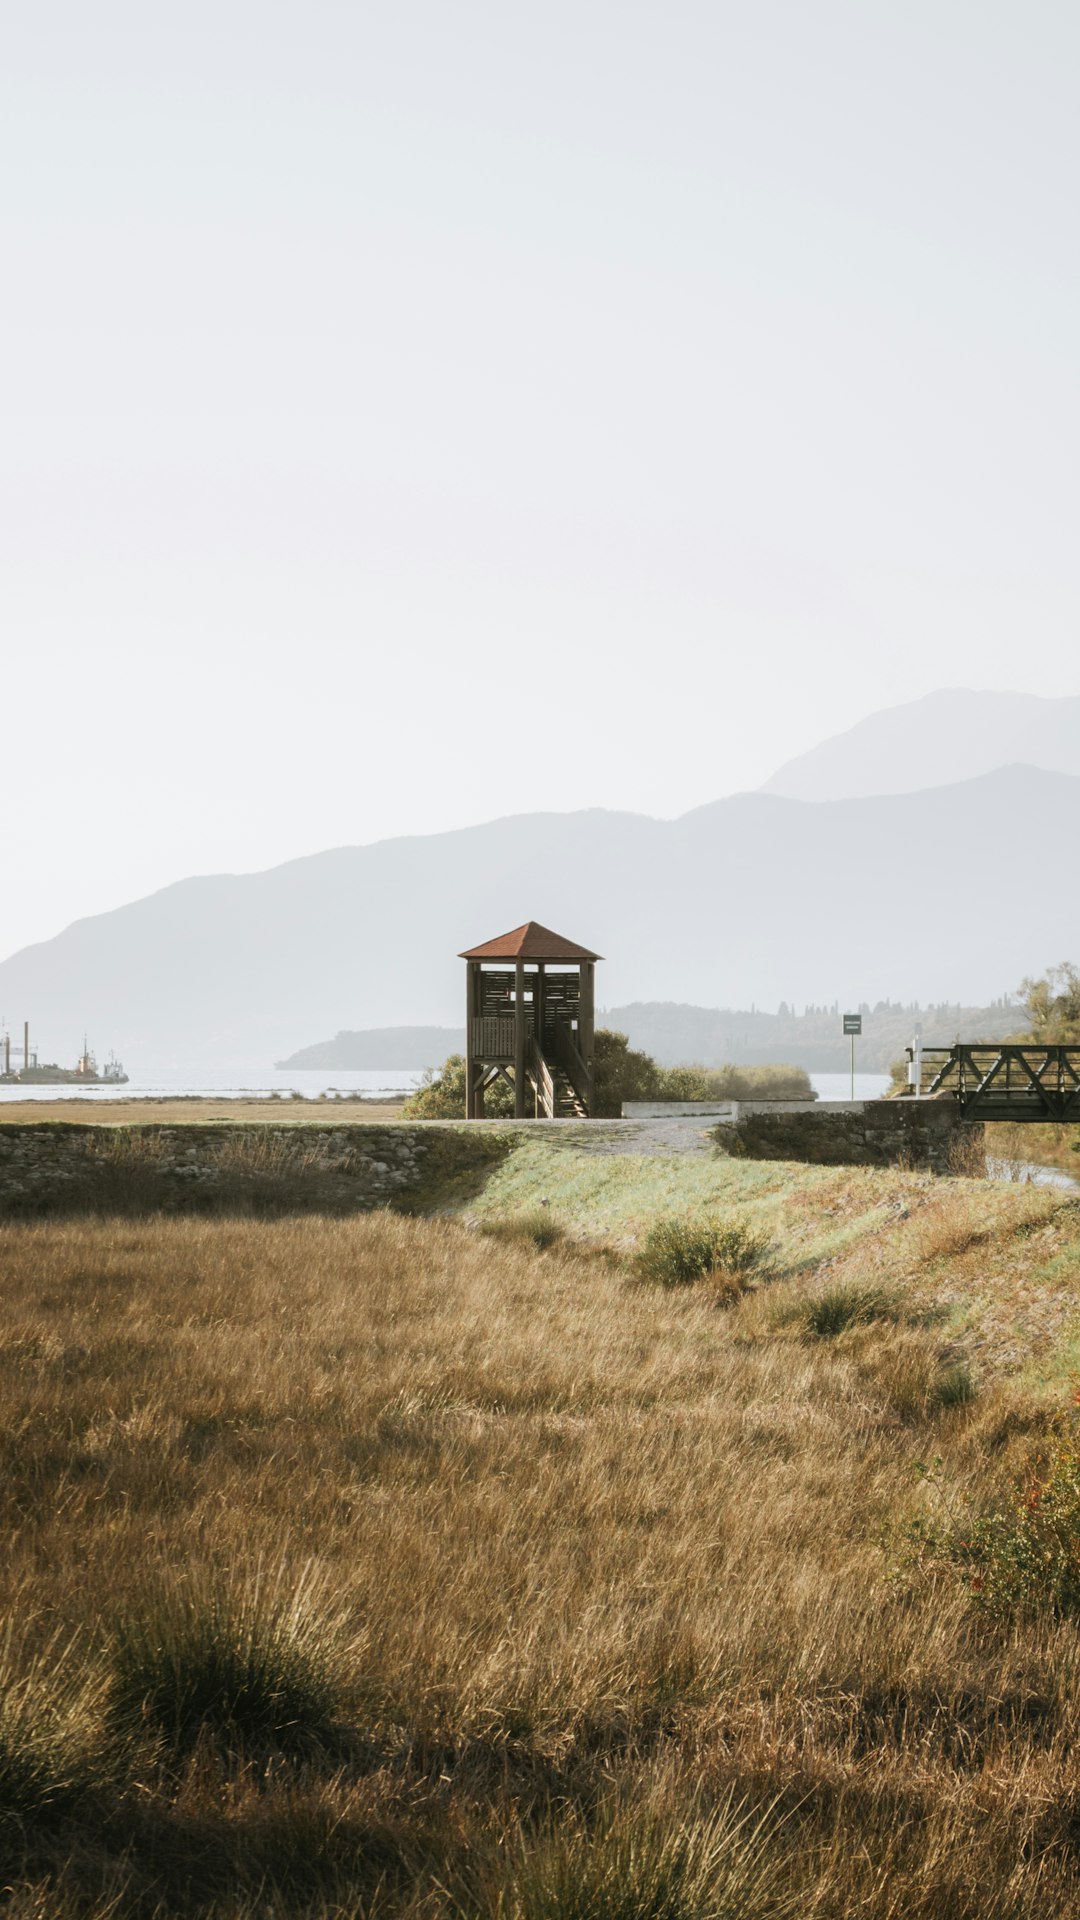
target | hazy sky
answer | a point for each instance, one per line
(430, 410)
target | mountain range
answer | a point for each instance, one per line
(953, 891)
(955, 734)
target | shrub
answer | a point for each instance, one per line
(623, 1074)
(834, 1309)
(757, 1083)
(676, 1253)
(1026, 1557)
(248, 1666)
(441, 1094)
(619, 1073)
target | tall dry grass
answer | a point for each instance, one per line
(591, 1596)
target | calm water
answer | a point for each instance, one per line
(156, 1082)
(837, 1086)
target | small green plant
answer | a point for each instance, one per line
(537, 1229)
(248, 1666)
(677, 1253)
(834, 1309)
(1022, 1557)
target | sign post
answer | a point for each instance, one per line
(853, 1026)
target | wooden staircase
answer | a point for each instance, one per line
(559, 1082)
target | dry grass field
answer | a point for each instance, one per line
(385, 1566)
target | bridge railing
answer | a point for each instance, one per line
(1008, 1080)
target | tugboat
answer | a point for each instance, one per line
(86, 1070)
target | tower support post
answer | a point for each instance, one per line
(586, 1023)
(519, 1040)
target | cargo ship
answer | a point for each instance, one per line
(35, 1073)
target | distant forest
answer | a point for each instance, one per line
(677, 1035)
(712, 1037)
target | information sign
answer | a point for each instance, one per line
(853, 1023)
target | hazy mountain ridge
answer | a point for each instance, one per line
(750, 900)
(957, 733)
(410, 1049)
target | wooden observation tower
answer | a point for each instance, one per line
(529, 1020)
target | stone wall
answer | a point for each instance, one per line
(57, 1167)
(875, 1133)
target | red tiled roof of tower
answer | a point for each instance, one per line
(530, 942)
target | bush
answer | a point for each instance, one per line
(619, 1073)
(249, 1667)
(441, 1095)
(756, 1083)
(676, 1253)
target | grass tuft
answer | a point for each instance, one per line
(835, 1309)
(638, 1864)
(46, 1705)
(538, 1229)
(250, 1667)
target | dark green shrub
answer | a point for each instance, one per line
(441, 1095)
(619, 1073)
(676, 1253)
(250, 1667)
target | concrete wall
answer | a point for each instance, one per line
(56, 1167)
(875, 1133)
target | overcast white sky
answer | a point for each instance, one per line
(422, 411)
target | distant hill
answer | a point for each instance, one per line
(957, 734)
(752, 900)
(410, 1048)
(700, 1036)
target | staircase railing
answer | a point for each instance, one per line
(543, 1080)
(569, 1060)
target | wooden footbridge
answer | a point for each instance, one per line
(1001, 1080)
